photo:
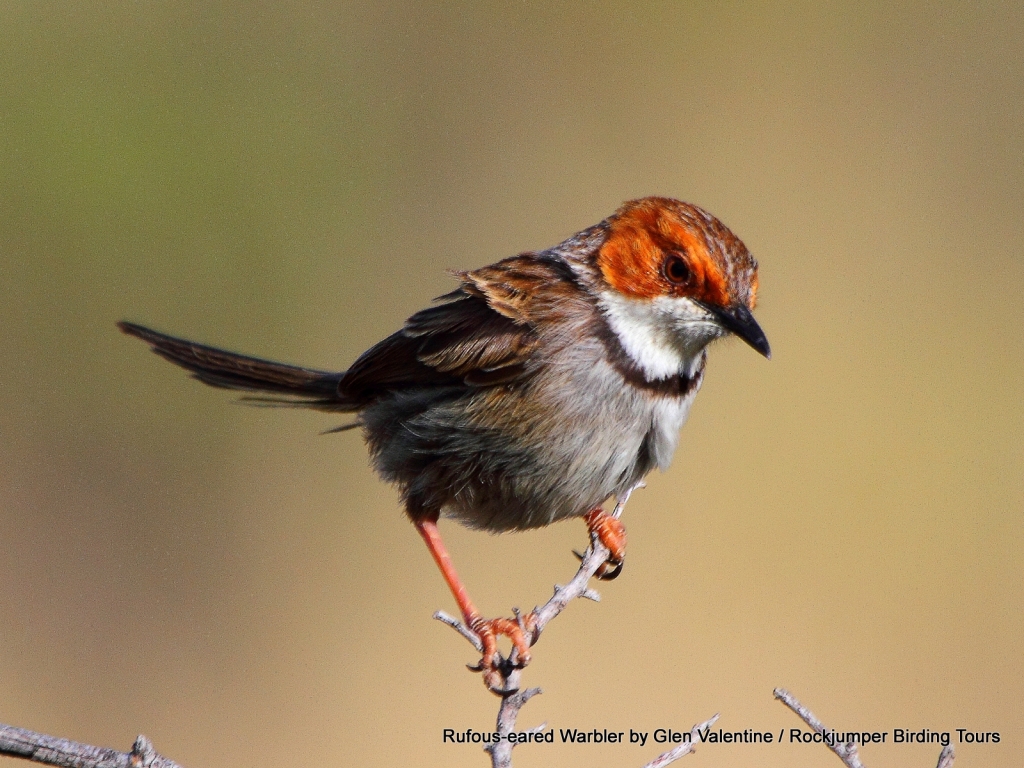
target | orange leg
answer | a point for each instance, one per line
(612, 533)
(487, 629)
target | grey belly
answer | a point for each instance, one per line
(576, 440)
(565, 476)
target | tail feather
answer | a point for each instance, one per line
(219, 368)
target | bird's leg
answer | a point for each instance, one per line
(612, 533)
(488, 630)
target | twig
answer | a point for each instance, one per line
(683, 749)
(595, 556)
(19, 742)
(847, 752)
(512, 698)
(946, 757)
(501, 750)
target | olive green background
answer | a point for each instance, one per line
(292, 180)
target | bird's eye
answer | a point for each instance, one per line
(676, 270)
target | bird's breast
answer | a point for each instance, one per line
(577, 435)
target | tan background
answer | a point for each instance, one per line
(291, 180)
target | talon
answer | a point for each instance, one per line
(612, 534)
(498, 683)
(495, 668)
(609, 570)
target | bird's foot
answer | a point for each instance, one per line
(612, 534)
(496, 668)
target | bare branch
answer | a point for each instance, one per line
(508, 669)
(847, 752)
(512, 698)
(501, 751)
(595, 556)
(946, 757)
(40, 748)
(683, 749)
(462, 629)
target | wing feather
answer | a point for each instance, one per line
(482, 334)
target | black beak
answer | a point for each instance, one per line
(739, 321)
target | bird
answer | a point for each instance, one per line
(541, 387)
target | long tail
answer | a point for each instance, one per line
(219, 368)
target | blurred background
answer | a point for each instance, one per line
(292, 179)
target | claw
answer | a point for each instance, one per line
(609, 570)
(497, 669)
(499, 684)
(612, 534)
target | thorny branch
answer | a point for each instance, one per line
(18, 742)
(846, 752)
(513, 700)
(51, 750)
(595, 556)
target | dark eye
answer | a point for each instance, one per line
(677, 271)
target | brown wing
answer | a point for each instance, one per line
(483, 334)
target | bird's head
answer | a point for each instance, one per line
(673, 279)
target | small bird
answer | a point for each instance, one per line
(544, 385)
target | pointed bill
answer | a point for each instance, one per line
(738, 321)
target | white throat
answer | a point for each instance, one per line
(664, 336)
